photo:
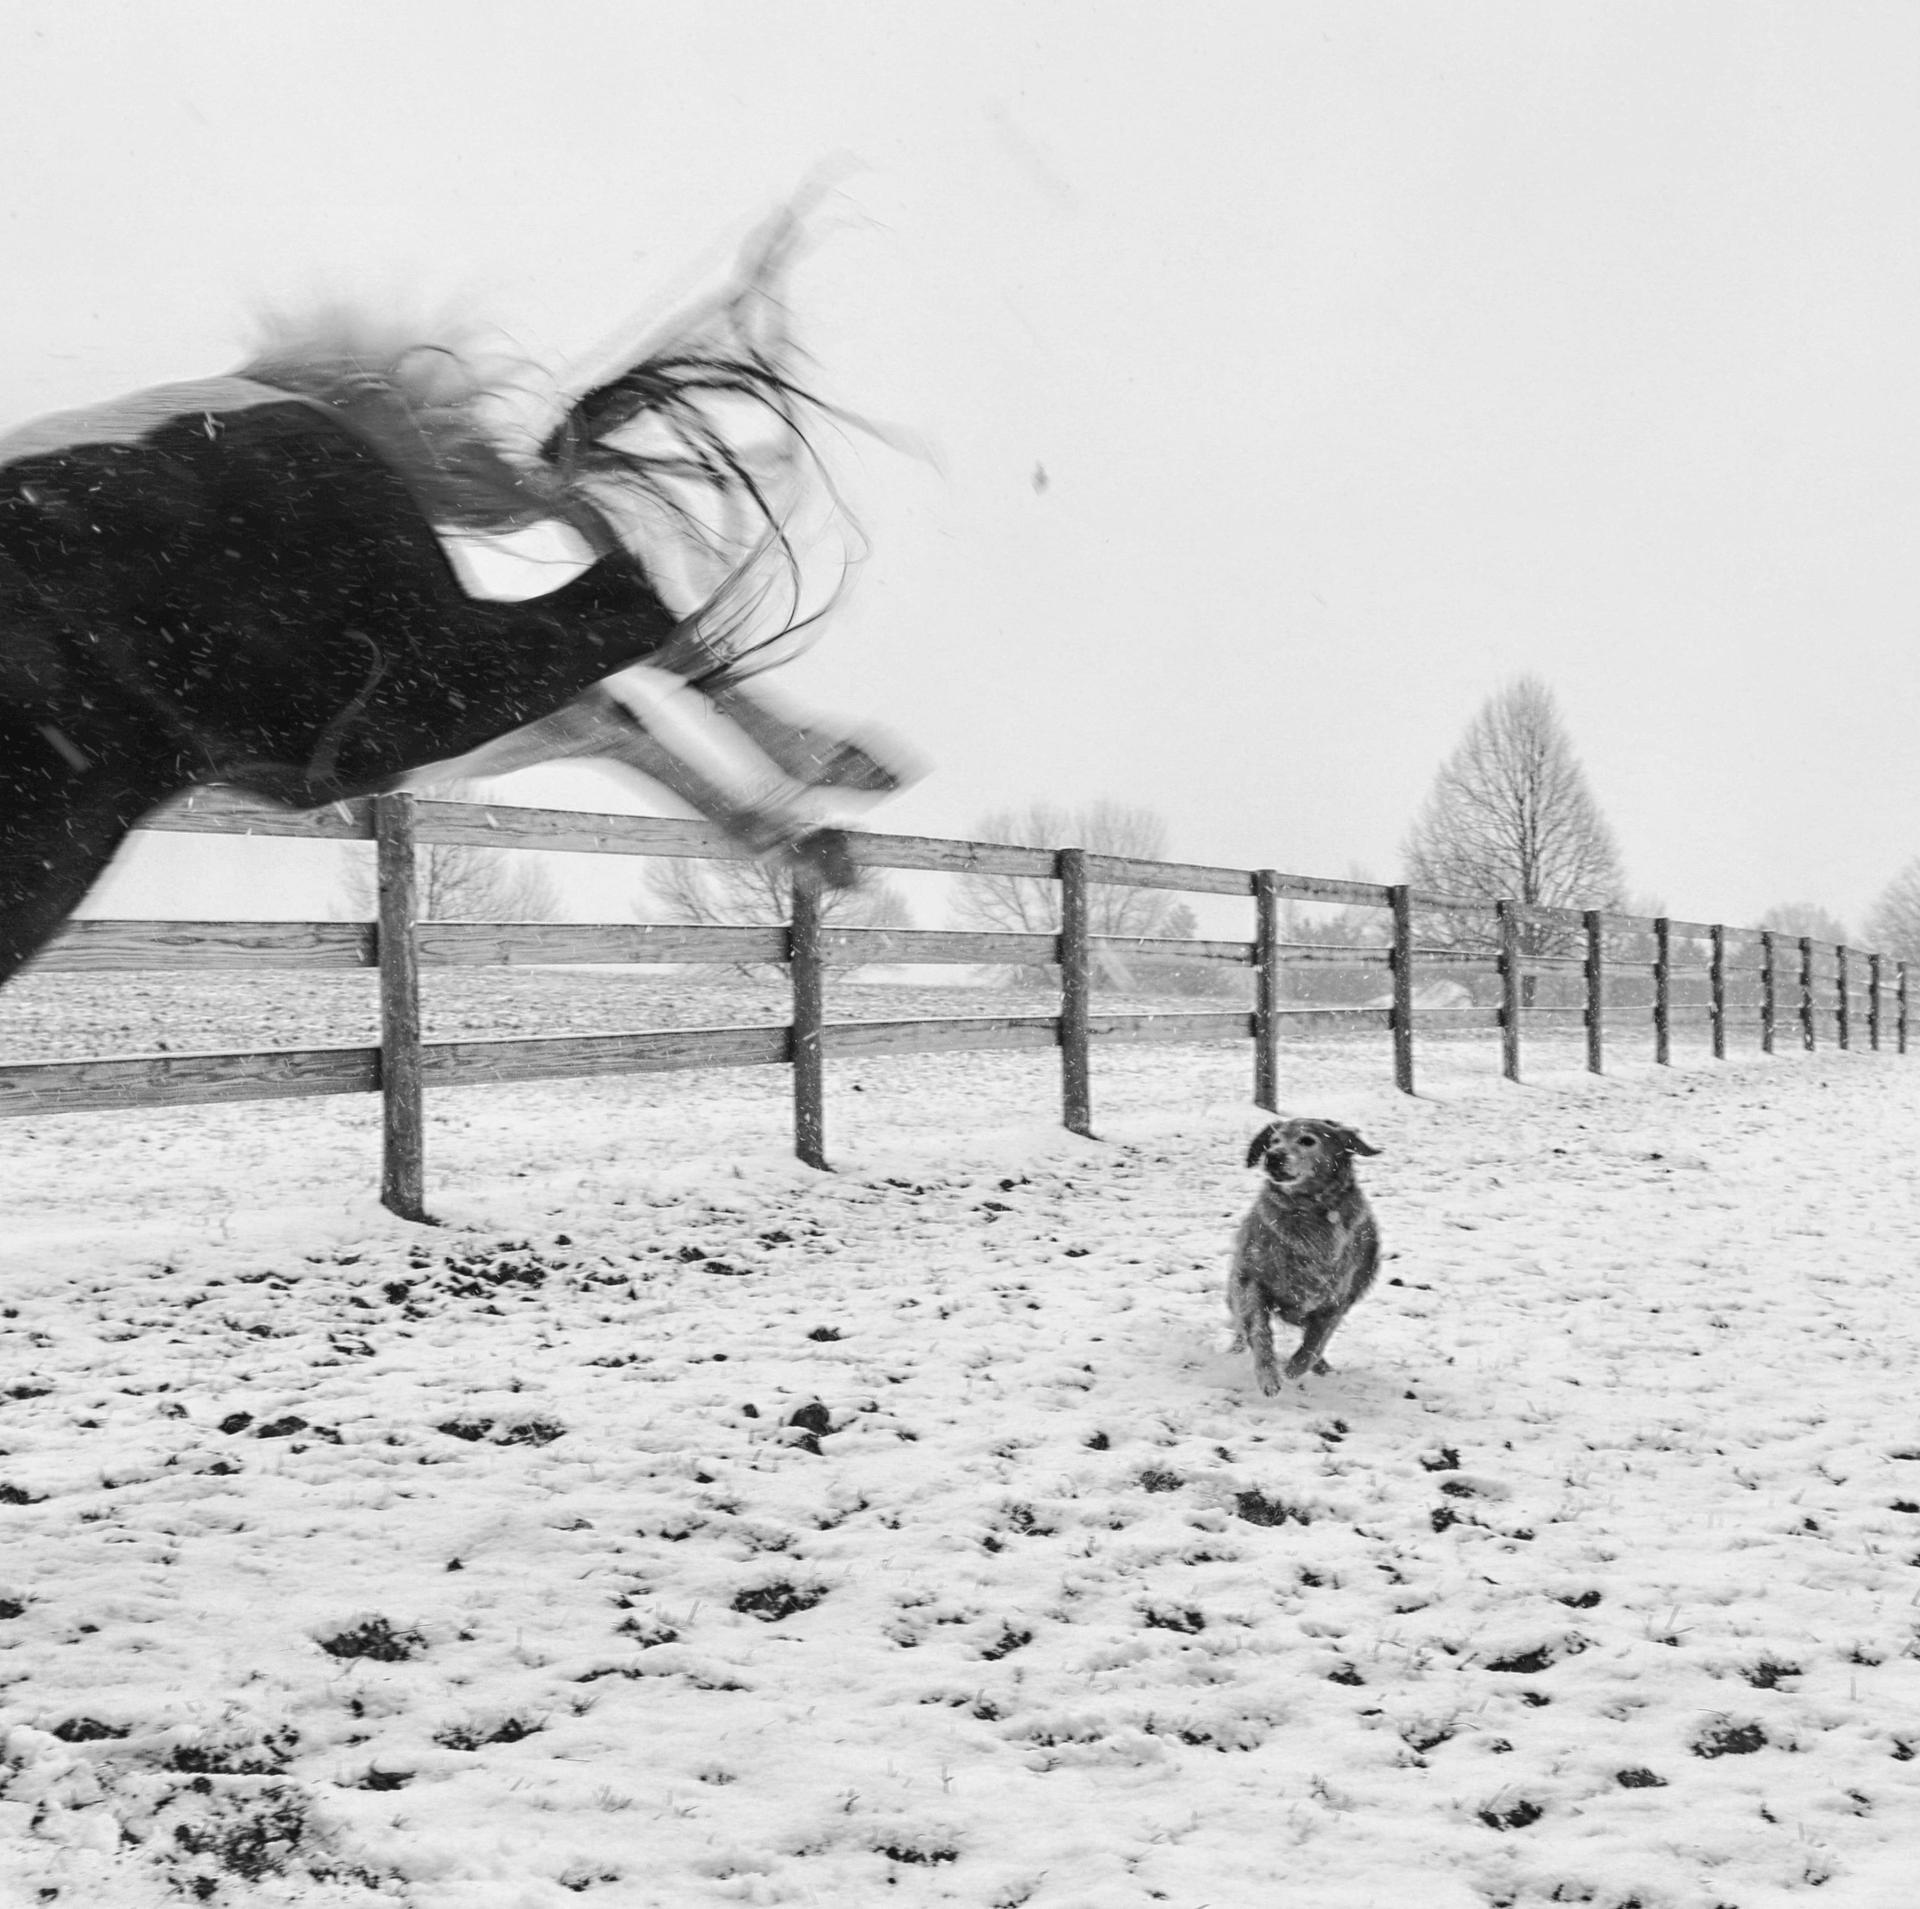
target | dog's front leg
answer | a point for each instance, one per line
(1313, 1341)
(1256, 1333)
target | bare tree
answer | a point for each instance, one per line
(1510, 817)
(1030, 904)
(1893, 926)
(465, 884)
(752, 893)
(1805, 918)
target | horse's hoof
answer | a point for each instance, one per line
(852, 766)
(825, 854)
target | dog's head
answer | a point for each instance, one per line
(1298, 1154)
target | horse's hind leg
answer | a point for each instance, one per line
(60, 821)
(817, 758)
(601, 727)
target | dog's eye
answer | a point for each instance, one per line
(1307, 1140)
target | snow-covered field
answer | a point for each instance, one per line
(675, 1526)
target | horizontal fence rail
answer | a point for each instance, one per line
(1777, 988)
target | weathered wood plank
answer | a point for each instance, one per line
(164, 1080)
(807, 974)
(1306, 954)
(403, 1188)
(940, 855)
(1456, 1017)
(1400, 1015)
(1293, 1021)
(1429, 899)
(1266, 989)
(1322, 888)
(480, 944)
(1129, 871)
(862, 947)
(947, 1035)
(100, 946)
(1125, 1029)
(1241, 954)
(1510, 978)
(583, 1056)
(1593, 923)
(224, 811)
(572, 831)
(1076, 993)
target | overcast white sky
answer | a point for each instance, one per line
(1374, 355)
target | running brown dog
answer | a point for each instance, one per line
(1308, 1250)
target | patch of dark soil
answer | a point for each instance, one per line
(1187, 1622)
(1258, 1509)
(266, 1755)
(475, 1736)
(771, 1602)
(377, 1640)
(1727, 1739)
(1514, 1816)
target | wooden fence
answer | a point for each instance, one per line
(1777, 987)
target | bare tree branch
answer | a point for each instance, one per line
(1030, 904)
(748, 893)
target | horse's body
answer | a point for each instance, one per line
(242, 581)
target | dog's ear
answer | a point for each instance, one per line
(1262, 1140)
(1349, 1140)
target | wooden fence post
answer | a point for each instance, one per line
(1266, 991)
(402, 1131)
(1806, 992)
(1768, 999)
(1717, 980)
(1663, 991)
(1076, 987)
(1400, 898)
(1841, 990)
(1596, 991)
(1509, 965)
(1900, 1012)
(1873, 1002)
(806, 971)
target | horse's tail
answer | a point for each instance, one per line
(705, 487)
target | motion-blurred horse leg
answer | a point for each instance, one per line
(599, 727)
(816, 758)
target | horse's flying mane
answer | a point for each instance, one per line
(687, 483)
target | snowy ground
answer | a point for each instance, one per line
(673, 1526)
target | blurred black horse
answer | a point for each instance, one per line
(242, 580)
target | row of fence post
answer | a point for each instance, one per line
(403, 1173)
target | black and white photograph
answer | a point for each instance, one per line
(959, 956)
